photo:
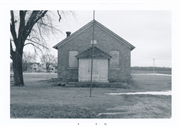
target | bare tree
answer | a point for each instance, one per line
(27, 59)
(47, 60)
(28, 28)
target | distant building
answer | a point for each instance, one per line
(53, 68)
(33, 67)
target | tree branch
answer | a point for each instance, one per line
(11, 51)
(35, 16)
(12, 28)
(33, 46)
(50, 26)
(39, 29)
(21, 32)
(36, 43)
(59, 15)
(35, 38)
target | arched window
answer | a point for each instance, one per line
(72, 59)
(114, 61)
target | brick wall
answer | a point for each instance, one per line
(105, 42)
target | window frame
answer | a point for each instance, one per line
(72, 67)
(110, 61)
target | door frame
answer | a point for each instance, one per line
(89, 74)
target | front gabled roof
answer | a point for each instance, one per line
(98, 25)
(97, 53)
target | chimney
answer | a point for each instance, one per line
(68, 33)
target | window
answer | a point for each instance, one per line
(72, 59)
(114, 61)
(95, 42)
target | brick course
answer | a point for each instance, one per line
(105, 42)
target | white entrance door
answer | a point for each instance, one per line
(100, 70)
(103, 70)
(83, 70)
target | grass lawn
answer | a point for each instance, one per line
(40, 99)
(152, 82)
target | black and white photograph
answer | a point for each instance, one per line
(95, 66)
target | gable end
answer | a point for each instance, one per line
(101, 27)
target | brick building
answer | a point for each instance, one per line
(111, 58)
(33, 67)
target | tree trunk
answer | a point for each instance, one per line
(17, 68)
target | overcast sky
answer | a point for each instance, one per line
(149, 31)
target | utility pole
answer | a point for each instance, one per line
(153, 64)
(92, 52)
